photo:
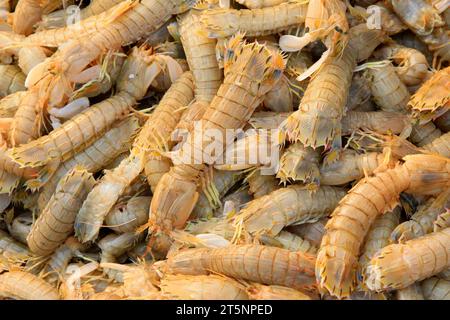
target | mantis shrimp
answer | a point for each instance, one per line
(222, 23)
(55, 223)
(63, 143)
(76, 30)
(351, 220)
(252, 70)
(286, 206)
(115, 142)
(267, 265)
(26, 286)
(154, 136)
(121, 15)
(26, 123)
(378, 121)
(202, 287)
(420, 224)
(54, 75)
(201, 57)
(102, 198)
(318, 120)
(400, 265)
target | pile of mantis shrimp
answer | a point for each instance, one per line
(101, 200)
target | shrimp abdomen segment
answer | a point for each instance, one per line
(25, 126)
(12, 80)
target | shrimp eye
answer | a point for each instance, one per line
(229, 54)
(338, 29)
(277, 73)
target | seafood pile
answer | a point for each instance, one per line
(253, 149)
